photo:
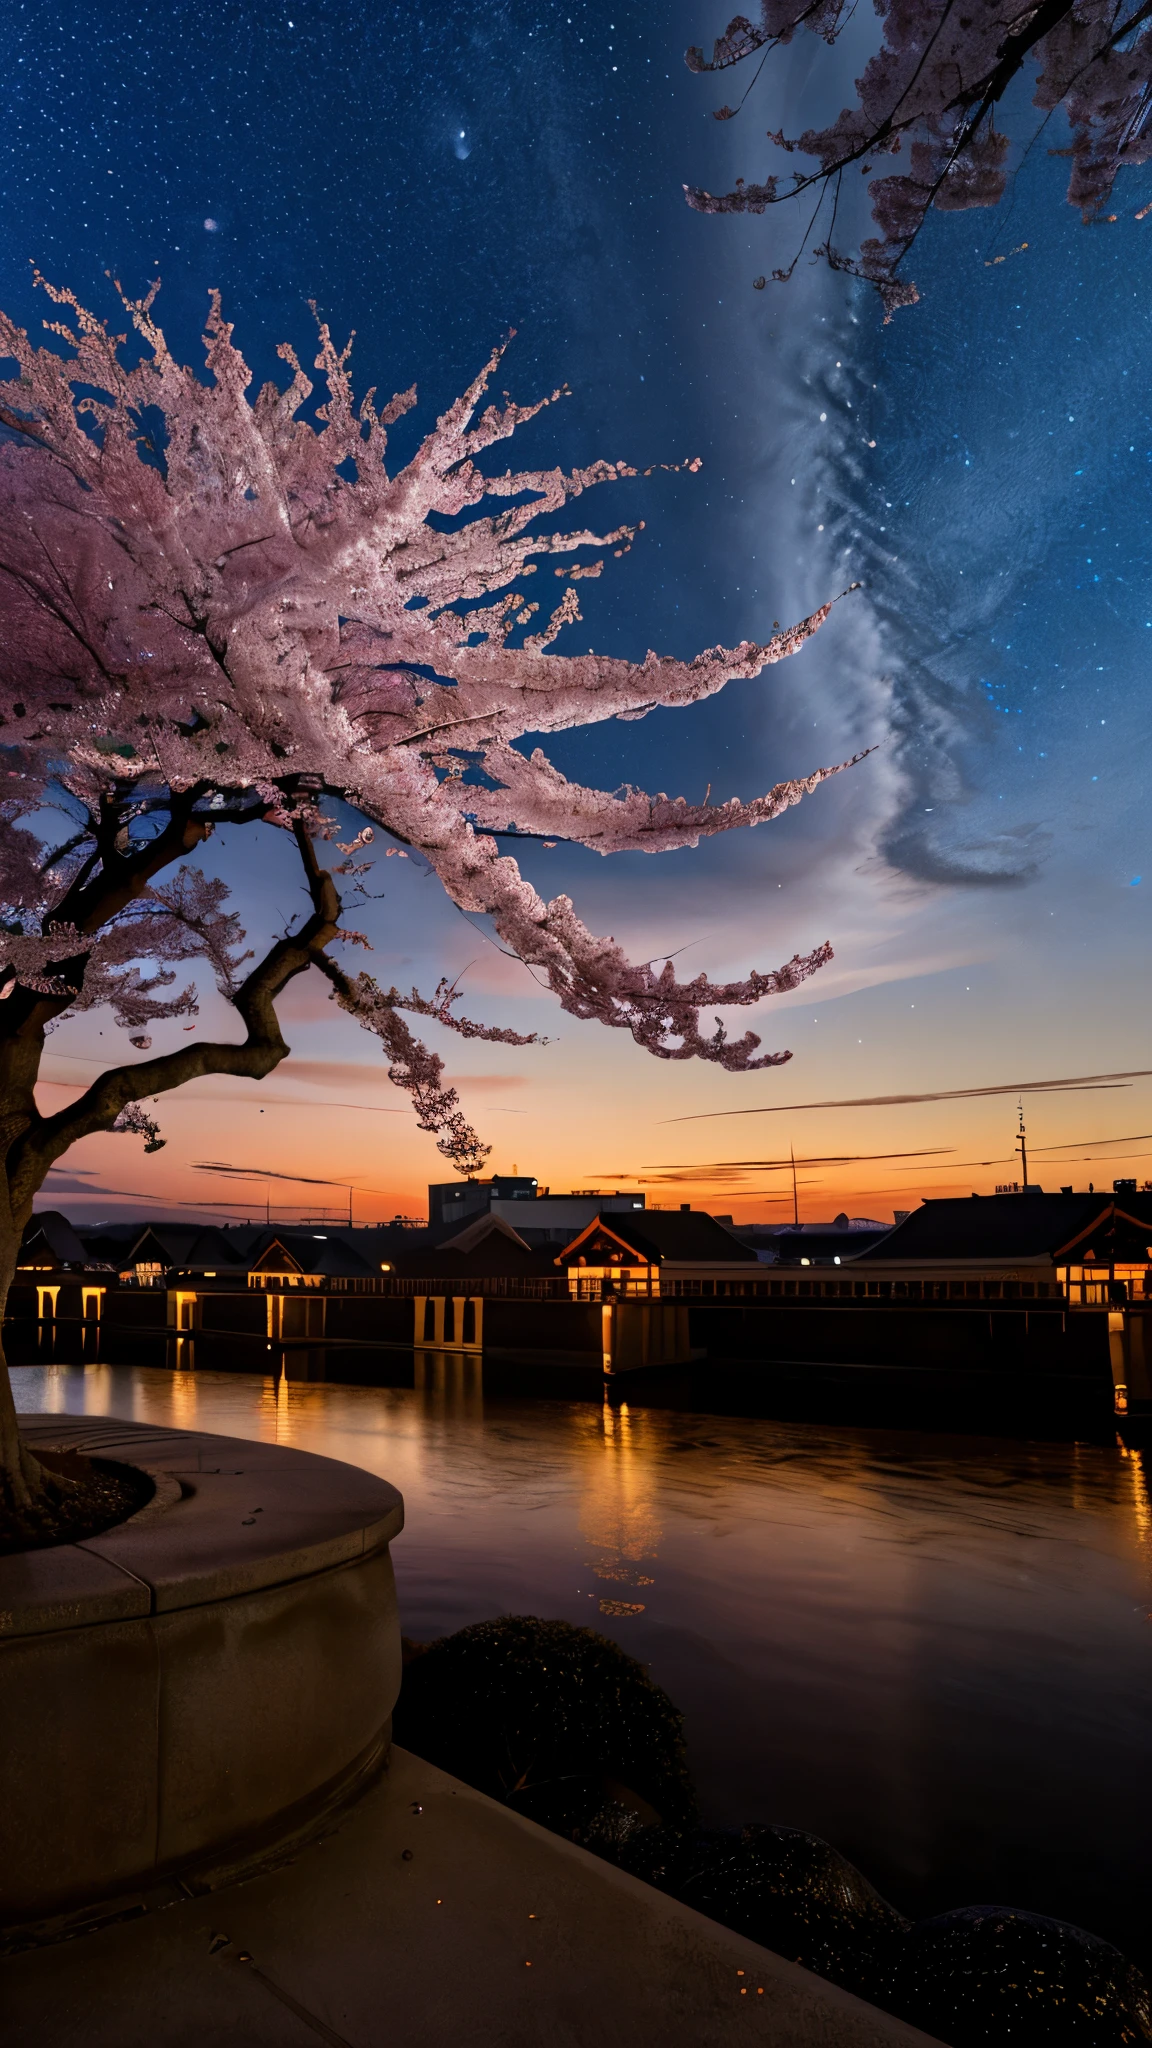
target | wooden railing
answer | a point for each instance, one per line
(500, 1286)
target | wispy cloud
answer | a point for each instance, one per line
(1067, 1086)
(332, 1073)
(706, 1168)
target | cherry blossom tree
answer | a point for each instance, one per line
(932, 90)
(217, 611)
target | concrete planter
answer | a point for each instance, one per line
(201, 1684)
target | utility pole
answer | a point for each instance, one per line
(795, 1196)
(1022, 1145)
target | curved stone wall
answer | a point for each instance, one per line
(199, 1681)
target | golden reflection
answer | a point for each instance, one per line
(97, 1397)
(1081, 1475)
(54, 1391)
(617, 1514)
(183, 1401)
(184, 1359)
(1135, 1477)
(452, 1383)
(272, 1407)
(291, 1408)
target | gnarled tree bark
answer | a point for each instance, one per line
(32, 1143)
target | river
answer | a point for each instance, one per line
(934, 1651)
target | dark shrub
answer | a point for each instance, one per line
(553, 1720)
(986, 1974)
(559, 1723)
(787, 1890)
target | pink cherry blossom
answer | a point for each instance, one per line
(932, 91)
(215, 612)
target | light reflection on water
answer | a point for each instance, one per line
(935, 1651)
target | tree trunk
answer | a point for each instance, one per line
(24, 1484)
(30, 1144)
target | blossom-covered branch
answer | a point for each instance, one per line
(533, 796)
(933, 89)
(136, 1119)
(412, 1066)
(246, 612)
(232, 616)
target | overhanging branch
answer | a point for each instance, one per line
(262, 1049)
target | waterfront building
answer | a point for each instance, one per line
(145, 1257)
(52, 1245)
(1089, 1250)
(56, 1271)
(649, 1253)
(1032, 1304)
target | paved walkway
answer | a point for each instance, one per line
(432, 1916)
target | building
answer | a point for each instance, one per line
(51, 1244)
(56, 1270)
(144, 1257)
(146, 1254)
(1033, 1307)
(651, 1254)
(535, 1213)
(1088, 1250)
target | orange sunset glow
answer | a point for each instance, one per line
(923, 998)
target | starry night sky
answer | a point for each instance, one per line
(432, 176)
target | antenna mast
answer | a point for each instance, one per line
(1022, 1146)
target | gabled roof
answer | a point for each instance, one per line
(473, 1235)
(499, 1253)
(1135, 1205)
(276, 1257)
(210, 1247)
(175, 1244)
(49, 1240)
(660, 1234)
(995, 1227)
(599, 1245)
(305, 1251)
(244, 1238)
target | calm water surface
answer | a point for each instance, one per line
(934, 1651)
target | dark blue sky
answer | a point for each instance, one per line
(431, 176)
